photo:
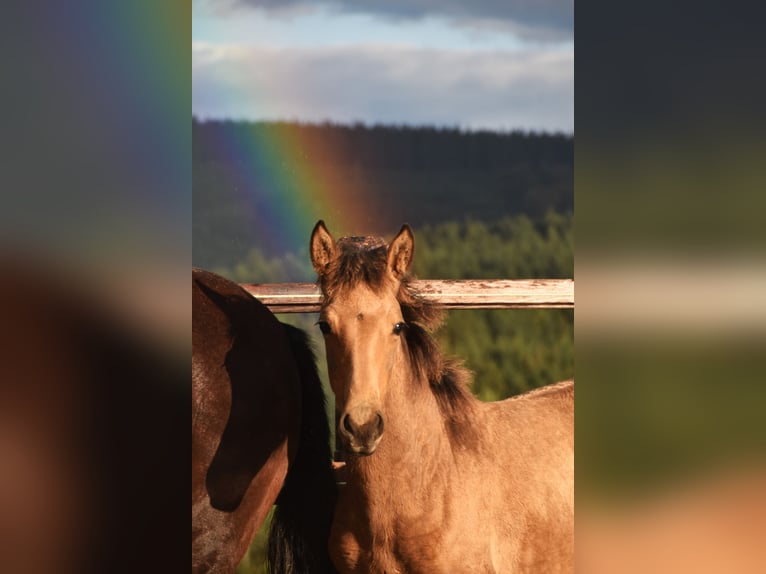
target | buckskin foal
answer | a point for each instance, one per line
(438, 481)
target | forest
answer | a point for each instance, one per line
(482, 205)
(246, 172)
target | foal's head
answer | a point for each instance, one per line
(363, 324)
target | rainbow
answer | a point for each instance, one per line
(292, 179)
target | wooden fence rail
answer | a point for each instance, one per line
(466, 294)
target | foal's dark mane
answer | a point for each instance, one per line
(364, 260)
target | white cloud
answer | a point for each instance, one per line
(386, 84)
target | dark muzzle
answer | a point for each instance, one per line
(361, 429)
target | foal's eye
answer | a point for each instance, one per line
(399, 327)
(324, 326)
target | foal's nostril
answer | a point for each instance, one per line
(380, 423)
(347, 424)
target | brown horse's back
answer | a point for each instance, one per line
(245, 414)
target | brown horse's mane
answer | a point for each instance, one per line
(364, 260)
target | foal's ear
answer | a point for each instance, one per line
(400, 252)
(322, 247)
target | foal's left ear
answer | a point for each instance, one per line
(400, 252)
(322, 247)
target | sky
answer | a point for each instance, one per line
(480, 64)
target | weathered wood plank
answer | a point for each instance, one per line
(464, 294)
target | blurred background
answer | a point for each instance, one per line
(95, 248)
(671, 288)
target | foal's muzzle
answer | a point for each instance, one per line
(361, 429)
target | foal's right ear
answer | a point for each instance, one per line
(322, 247)
(400, 252)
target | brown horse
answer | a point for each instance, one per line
(437, 481)
(259, 430)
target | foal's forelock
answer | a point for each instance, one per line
(359, 261)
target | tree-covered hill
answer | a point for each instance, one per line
(244, 171)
